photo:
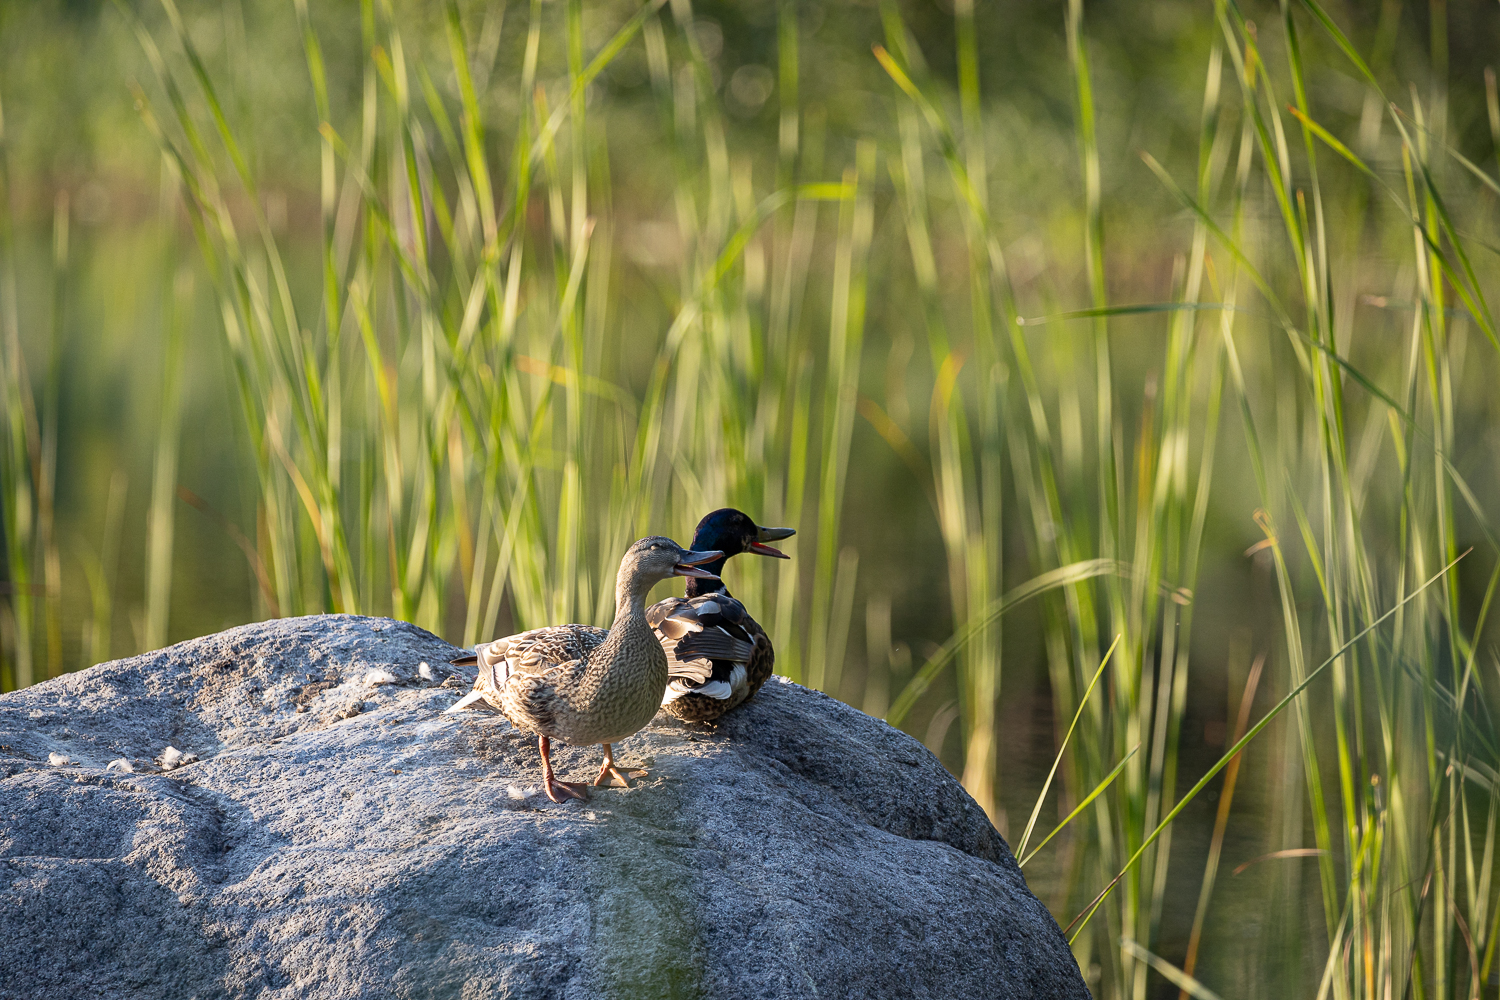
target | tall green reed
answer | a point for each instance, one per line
(1147, 515)
(28, 467)
(1165, 539)
(19, 424)
(461, 367)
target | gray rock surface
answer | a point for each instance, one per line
(339, 837)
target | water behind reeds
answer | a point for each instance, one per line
(1163, 332)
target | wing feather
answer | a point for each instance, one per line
(536, 653)
(663, 609)
(716, 644)
(710, 641)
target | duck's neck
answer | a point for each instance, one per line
(696, 585)
(631, 630)
(699, 587)
(630, 598)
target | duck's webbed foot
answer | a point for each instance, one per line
(558, 791)
(562, 791)
(611, 776)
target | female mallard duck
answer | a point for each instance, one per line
(581, 684)
(717, 654)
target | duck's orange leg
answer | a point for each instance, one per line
(554, 788)
(614, 774)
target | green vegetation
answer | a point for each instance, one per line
(1152, 347)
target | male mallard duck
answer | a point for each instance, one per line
(581, 684)
(717, 654)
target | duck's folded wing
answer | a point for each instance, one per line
(707, 643)
(720, 679)
(535, 652)
(715, 644)
(546, 648)
(677, 619)
(672, 618)
(661, 609)
(537, 656)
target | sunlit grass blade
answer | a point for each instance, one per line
(176, 302)
(1061, 577)
(1221, 820)
(1170, 972)
(1081, 920)
(1083, 803)
(1138, 310)
(1062, 748)
(19, 443)
(597, 65)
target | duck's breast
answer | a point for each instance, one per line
(620, 696)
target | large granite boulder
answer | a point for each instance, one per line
(318, 828)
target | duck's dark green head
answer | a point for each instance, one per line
(732, 532)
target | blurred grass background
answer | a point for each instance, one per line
(1159, 329)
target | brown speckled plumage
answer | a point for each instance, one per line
(576, 683)
(581, 684)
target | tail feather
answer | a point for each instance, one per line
(719, 690)
(465, 702)
(467, 660)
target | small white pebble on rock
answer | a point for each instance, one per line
(119, 764)
(379, 676)
(59, 759)
(424, 670)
